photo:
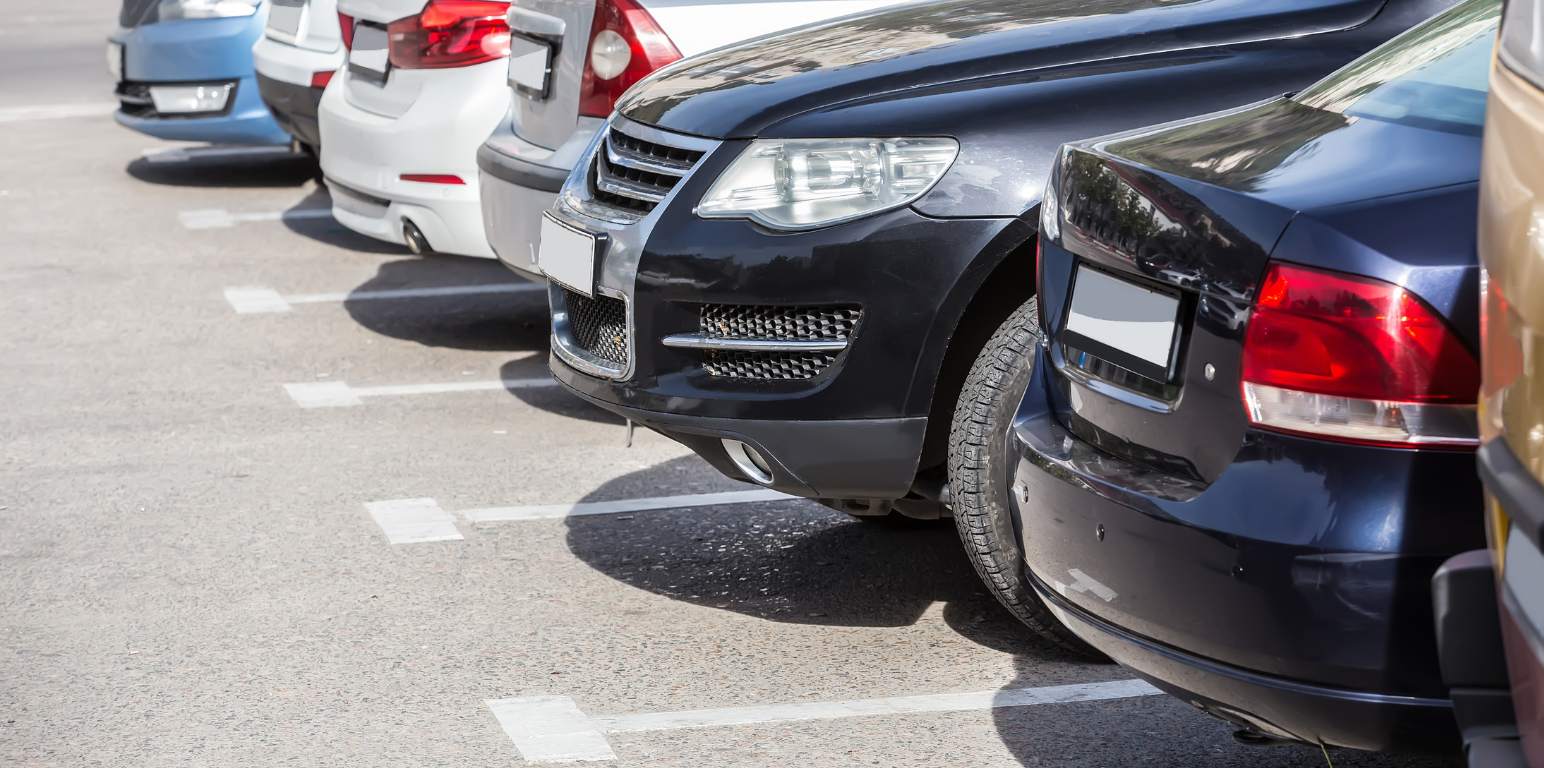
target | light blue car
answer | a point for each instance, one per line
(184, 71)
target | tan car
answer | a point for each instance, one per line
(1506, 727)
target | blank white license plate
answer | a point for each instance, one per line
(567, 255)
(1131, 325)
(115, 61)
(530, 62)
(369, 57)
(284, 18)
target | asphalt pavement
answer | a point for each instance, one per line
(273, 493)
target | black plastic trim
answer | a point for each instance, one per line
(517, 171)
(1519, 492)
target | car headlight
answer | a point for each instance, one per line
(177, 10)
(1050, 212)
(795, 184)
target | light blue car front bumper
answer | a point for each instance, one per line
(200, 51)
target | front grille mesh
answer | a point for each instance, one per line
(741, 321)
(634, 188)
(767, 365)
(599, 325)
(731, 321)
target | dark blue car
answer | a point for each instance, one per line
(1247, 438)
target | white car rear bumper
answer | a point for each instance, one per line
(438, 134)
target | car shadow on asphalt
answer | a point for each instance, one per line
(793, 561)
(502, 322)
(225, 167)
(553, 399)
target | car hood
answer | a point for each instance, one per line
(739, 91)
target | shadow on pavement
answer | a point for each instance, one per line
(792, 561)
(228, 167)
(504, 322)
(555, 399)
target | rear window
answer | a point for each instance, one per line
(1435, 76)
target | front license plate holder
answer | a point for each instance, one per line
(568, 254)
(1134, 326)
(530, 66)
(370, 58)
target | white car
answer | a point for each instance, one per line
(423, 85)
(571, 60)
(300, 50)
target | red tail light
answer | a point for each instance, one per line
(625, 46)
(346, 27)
(321, 79)
(1335, 355)
(450, 33)
(432, 178)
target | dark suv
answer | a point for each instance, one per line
(789, 253)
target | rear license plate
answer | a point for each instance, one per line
(530, 65)
(369, 57)
(567, 255)
(1127, 324)
(115, 61)
(284, 17)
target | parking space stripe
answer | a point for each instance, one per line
(413, 521)
(338, 394)
(52, 111)
(502, 514)
(219, 218)
(255, 300)
(184, 154)
(552, 728)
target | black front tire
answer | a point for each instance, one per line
(979, 462)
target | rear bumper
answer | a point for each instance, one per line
(293, 107)
(1292, 595)
(438, 134)
(1273, 705)
(519, 180)
(198, 51)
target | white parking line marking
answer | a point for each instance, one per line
(184, 154)
(219, 218)
(253, 300)
(552, 729)
(250, 301)
(338, 394)
(497, 514)
(413, 521)
(51, 111)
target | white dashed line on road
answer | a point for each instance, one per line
(553, 729)
(184, 154)
(219, 218)
(338, 394)
(403, 520)
(52, 111)
(413, 521)
(257, 300)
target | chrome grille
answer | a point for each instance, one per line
(634, 174)
(599, 325)
(721, 323)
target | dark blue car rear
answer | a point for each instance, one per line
(1251, 533)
